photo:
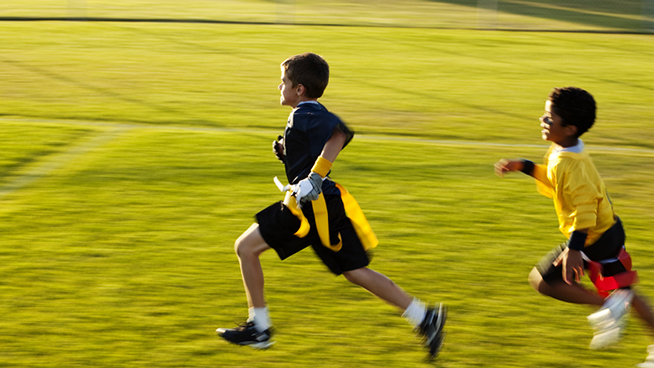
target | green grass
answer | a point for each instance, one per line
(427, 83)
(133, 155)
(604, 15)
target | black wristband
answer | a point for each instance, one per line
(577, 240)
(528, 167)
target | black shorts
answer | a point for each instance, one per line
(607, 247)
(278, 225)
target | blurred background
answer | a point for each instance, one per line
(578, 15)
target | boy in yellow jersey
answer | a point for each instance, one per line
(317, 213)
(586, 217)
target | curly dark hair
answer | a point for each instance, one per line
(575, 106)
(309, 70)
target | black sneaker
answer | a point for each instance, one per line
(432, 329)
(247, 334)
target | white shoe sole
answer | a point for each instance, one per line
(262, 345)
(605, 338)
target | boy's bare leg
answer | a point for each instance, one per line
(248, 247)
(577, 294)
(574, 293)
(641, 307)
(256, 331)
(380, 286)
(429, 322)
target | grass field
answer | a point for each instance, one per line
(595, 15)
(133, 155)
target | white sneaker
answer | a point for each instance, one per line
(610, 321)
(247, 334)
(649, 362)
(606, 334)
(619, 302)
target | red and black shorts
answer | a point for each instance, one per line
(278, 225)
(605, 250)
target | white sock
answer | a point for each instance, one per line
(260, 318)
(415, 312)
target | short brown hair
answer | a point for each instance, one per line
(309, 70)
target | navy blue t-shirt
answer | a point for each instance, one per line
(309, 127)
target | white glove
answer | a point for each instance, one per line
(308, 189)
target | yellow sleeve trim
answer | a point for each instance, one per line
(322, 166)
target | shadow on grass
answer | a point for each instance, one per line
(613, 14)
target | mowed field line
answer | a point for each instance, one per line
(462, 143)
(56, 161)
(59, 160)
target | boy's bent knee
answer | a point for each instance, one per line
(250, 244)
(244, 249)
(535, 279)
(240, 244)
(239, 247)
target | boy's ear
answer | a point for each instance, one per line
(300, 90)
(571, 130)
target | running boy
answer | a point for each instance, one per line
(316, 212)
(586, 217)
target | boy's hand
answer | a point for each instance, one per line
(278, 148)
(503, 166)
(308, 189)
(573, 265)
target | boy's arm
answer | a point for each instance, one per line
(538, 172)
(571, 258)
(311, 187)
(581, 194)
(577, 192)
(504, 166)
(528, 167)
(334, 146)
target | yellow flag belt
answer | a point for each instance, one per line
(352, 210)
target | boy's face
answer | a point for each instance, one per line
(553, 128)
(291, 95)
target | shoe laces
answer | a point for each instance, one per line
(244, 325)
